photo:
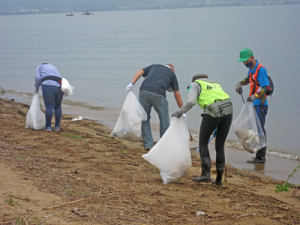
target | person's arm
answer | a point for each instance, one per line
(37, 79)
(135, 79)
(137, 76)
(178, 98)
(194, 92)
(238, 87)
(245, 81)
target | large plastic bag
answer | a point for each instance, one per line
(66, 87)
(129, 123)
(35, 118)
(171, 154)
(248, 129)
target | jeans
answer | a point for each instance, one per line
(52, 98)
(208, 125)
(160, 104)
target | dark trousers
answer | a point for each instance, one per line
(262, 111)
(52, 98)
(208, 125)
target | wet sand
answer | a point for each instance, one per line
(276, 167)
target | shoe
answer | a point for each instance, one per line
(47, 129)
(260, 156)
(220, 170)
(57, 128)
(147, 149)
(205, 175)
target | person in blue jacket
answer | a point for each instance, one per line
(259, 85)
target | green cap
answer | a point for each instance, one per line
(245, 54)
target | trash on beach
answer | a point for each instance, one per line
(129, 123)
(248, 129)
(35, 118)
(75, 119)
(171, 154)
(200, 213)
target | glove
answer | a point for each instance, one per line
(239, 88)
(129, 87)
(251, 98)
(184, 116)
(177, 114)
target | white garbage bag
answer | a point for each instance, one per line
(35, 118)
(66, 87)
(248, 129)
(129, 123)
(171, 154)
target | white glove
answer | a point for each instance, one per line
(129, 87)
(184, 116)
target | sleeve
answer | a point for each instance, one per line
(146, 70)
(37, 78)
(174, 84)
(194, 91)
(263, 77)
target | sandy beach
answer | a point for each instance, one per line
(81, 175)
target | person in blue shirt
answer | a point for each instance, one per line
(158, 80)
(259, 85)
(48, 77)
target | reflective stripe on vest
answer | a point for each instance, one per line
(210, 92)
(254, 84)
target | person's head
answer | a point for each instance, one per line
(171, 66)
(246, 56)
(199, 76)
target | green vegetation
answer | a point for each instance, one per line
(2, 91)
(9, 201)
(72, 136)
(286, 186)
(122, 151)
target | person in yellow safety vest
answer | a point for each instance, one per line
(217, 114)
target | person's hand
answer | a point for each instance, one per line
(184, 116)
(251, 98)
(177, 114)
(239, 88)
(129, 87)
(36, 92)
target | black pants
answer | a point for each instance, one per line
(208, 125)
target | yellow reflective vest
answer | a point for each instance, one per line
(210, 93)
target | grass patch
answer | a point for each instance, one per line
(73, 136)
(122, 151)
(286, 186)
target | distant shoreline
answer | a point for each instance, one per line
(149, 8)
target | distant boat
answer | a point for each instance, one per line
(87, 13)
(71, 14)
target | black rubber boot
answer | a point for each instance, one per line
(260, 156)
(220, 170)
(205, 175)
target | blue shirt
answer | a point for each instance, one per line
(43, 71)
(159, 79)
(262, 79)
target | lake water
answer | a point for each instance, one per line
(99, 54)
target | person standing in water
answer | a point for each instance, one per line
(259, 85)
